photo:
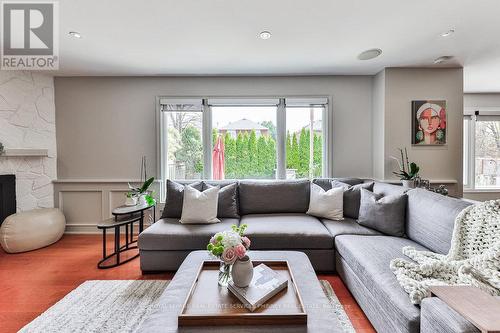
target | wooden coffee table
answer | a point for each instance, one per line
(208, 304)
(475, 305)
(321, 315)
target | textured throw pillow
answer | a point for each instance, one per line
(175, 195)
(352, 196)
(385, 214)
(200, 207)
(327, 204)
(228, 200)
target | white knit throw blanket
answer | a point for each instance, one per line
(473, 259)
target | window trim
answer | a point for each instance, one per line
(161, 140)
(470, 154)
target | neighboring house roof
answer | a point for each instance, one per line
(317, 126)
(243, 125)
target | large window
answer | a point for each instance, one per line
(482, 152)
(259, 138)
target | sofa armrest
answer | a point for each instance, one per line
(437, 316)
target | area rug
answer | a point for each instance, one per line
(121, 306)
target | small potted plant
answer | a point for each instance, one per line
(142, 194)
(407, 171)
(229, 247)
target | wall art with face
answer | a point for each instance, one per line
(428, 122)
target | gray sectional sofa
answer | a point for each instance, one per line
(275, 214)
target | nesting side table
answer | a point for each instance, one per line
(125, 216)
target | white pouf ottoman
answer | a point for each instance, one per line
(31, 230)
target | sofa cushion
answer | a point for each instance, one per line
(369, 258)
(170, 234)
(326, 183)
(385, 214)
(228, 198)
(286, 231)
(430, 218)
(175, 197)
(352, 196)
(347, 226)
(274, 196)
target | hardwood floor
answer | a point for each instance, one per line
(32, 282)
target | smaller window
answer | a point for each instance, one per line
(487, 153)
(481, 148)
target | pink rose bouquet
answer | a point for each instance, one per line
(229, 245)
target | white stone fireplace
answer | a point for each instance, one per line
(28, 134)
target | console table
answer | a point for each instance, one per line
(475, 305)
(122, 216)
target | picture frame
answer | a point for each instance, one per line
(428, 125)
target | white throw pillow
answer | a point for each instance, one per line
(200, 207)
(328, 204)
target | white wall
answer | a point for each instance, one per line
(105, 124)
(490, 100)
(27, 120)
(378, 141)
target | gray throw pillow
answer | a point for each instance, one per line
(326, 183)
(175, 198)
(274, 196)
(228, 200)
(352, 196)
(385, 214)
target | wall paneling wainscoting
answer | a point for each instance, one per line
(87, 202)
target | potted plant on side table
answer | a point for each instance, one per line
(142, 195)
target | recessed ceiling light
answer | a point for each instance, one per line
(265, 35)
(442, 59)
(448, 33)
(369, 54)
(75, 34)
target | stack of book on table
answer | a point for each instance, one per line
(265, 284)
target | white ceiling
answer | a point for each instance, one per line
(220, 37)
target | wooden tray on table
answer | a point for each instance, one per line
(209, 304)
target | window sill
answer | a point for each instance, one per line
(492, 190)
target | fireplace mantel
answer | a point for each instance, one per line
(25, 152)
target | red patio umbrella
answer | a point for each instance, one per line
(218, 159)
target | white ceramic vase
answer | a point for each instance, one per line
(242, 272)
(130, 201)
(408, 183)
